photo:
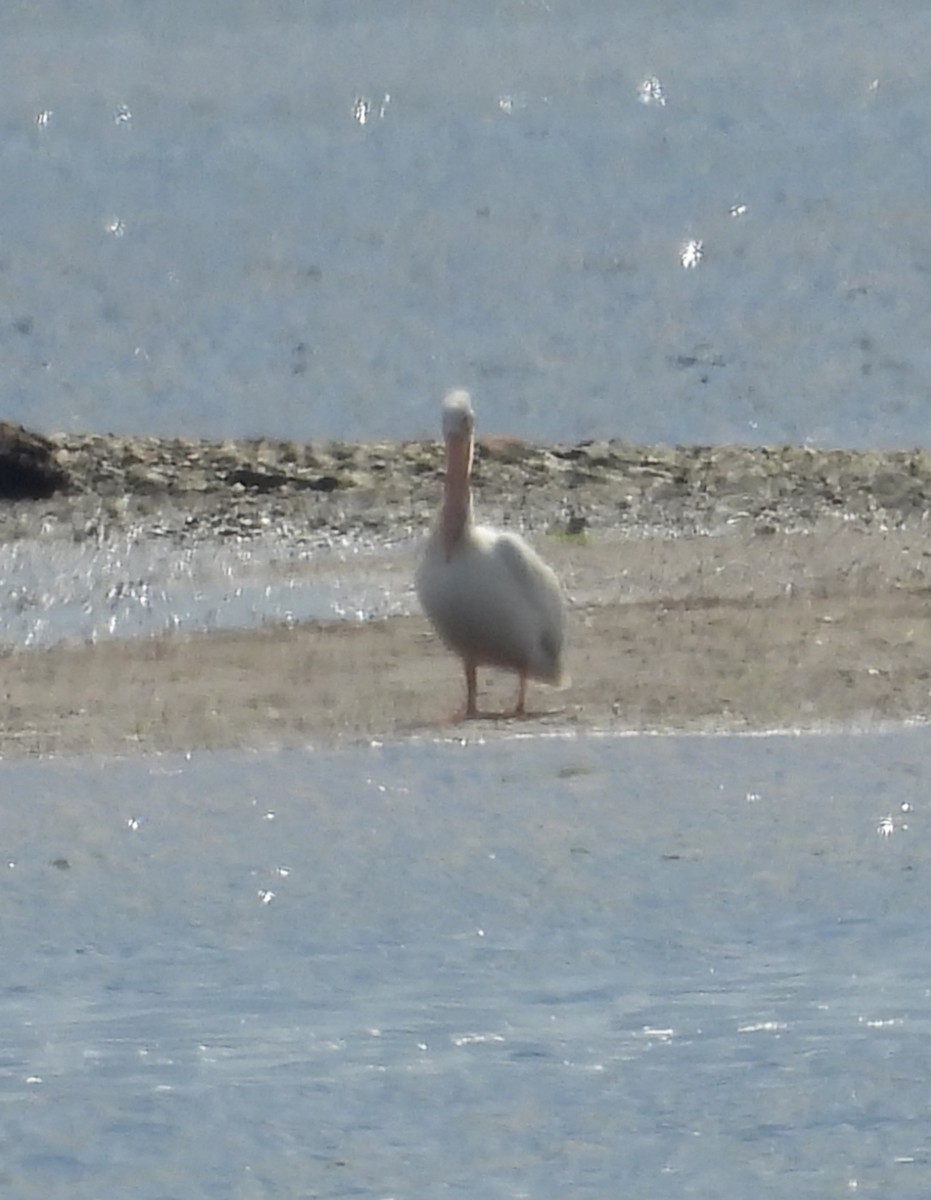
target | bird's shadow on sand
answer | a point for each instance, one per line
(497, 717)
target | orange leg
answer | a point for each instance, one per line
(471, 674)
(471, 709)
(521, 709)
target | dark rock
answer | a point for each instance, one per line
(325, 483)
(29, 469)
(257, 479)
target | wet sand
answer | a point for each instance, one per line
(744, 631)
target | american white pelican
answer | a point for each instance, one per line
(490, 597)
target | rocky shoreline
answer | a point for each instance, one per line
(249, 488)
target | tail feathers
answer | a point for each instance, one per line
(552, 672)
(548, 666)
(560, 679)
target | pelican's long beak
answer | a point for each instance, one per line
(457, 501)
(459, 454)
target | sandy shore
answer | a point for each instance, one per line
(735, 632)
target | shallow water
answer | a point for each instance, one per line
(58, 590)
(526, 968)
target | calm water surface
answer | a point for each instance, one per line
(527, 968)
(677, 222)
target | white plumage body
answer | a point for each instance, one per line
(494, 602)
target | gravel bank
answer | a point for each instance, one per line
(248, 488)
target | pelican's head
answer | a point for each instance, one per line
(458, 417)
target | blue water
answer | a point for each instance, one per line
(597, 967)
(311, 218)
